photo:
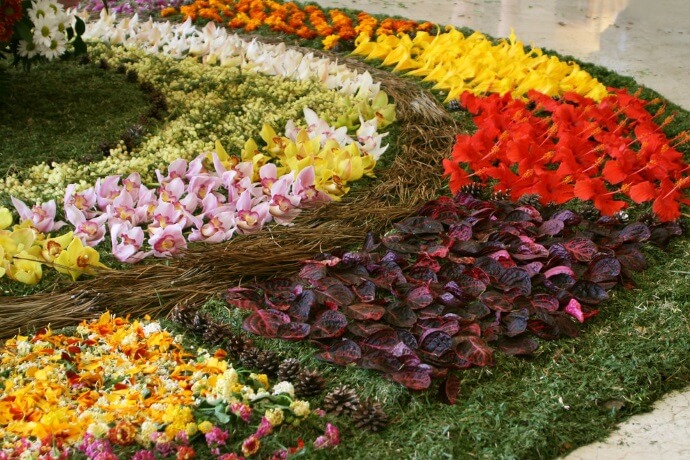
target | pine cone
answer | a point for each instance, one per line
(648, 218)
(289, 370)
(187, 315)
(216, 333)
(590, 213)
(530, 200)
(370, 416)
(475, 189)
(341, 400)
(500, 195)
(250, 358)
(308, 384)
(236, 344)
(454, 105)
(268, 362)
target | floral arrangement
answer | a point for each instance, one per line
(27, 247)
(200, 95)
(129, 7)
(573, 147)
(448, 286)
(39, 29)
(456, 64)
(307, 22)
(115, 384)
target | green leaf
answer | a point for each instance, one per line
(23, 28)
(221, 415)
(79, 46)
(70, 34)
(80, 26)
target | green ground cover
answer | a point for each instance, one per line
(571, 392)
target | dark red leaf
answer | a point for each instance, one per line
(337, 294)
(301, 308)
(545, 302)
(407, 338)
(516, 280)
(603, 270)
(365, 291)
(436, 342)
(552, 326)
(552, 227)
(419, 225)
(265, 322)
(365, 329)
(515, 323)
(496, 301)
(476, 351)
(521, 345)
(419, 297)
(529, 251)
(400, 316)
(568, 217)
(364, 311)
(589, 292)
(631, 258)
(637, 232)
(293, 331)
(582, 249)
(449, 389)
(329, 324)
(559, 270)
(342, 352)
(244, 298)
(460, 232)
(414, 378)
(385, 339)
(380, 360)
(313, 271)
(398, 242)
(473, 329)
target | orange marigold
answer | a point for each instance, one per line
(330, 41)
(169, 11)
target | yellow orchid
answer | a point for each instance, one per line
(78, 259)
(53, 247)
(456, 63)
(26, 266)
(5, 218)
(228, 161)
(251, 153)
(274, 144)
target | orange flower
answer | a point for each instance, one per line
(123, 433)
(169, 11)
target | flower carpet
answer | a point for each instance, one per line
(339, 235)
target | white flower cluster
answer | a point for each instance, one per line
(215, 45)
(49, 34)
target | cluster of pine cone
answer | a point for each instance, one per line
(342, 400)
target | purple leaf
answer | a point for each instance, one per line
(476, 351)
(449, 389)
(588, 292)
(515, 323)
(293, 331)
(342, 352)
(414, 378)
(364, 311)
(400, 316)
(582, 249)
(329, 324)
(435, 342)
(552, 227)
(419, 297)
(521, 345)
(265, 323)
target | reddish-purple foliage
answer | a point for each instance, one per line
(451, 285)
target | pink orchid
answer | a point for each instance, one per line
(41, 215)
(122, 209)
(211, 204)
(329, 439)
(250, 219)
(89, 231)
(167, 241)
(316, 127)
(203, 184)
(305, 187)
(219, 228)
(283, 206)
(269, 175)
(107, 189)
(84, 200)
(172, 190)
(176, 170)
(166, 214)
(127, 241)
(196, 167)
(369, 139)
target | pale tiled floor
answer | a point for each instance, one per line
(646, 39)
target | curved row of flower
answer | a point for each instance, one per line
(307, 22)
(209, 102)
(120, 383)
(573, 148)
(457, 64)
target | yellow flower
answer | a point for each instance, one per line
(78, 259)
(330, 41)
(261, 378)
(26, 267)
(274, 416)
(5, 218)
(300, 408)
(191, 428)
(205, 426)
(52, 247)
